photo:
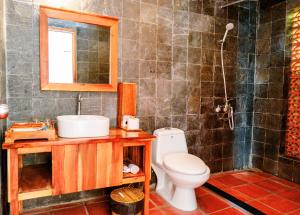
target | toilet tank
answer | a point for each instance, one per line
(168, 140)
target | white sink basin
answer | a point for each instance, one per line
(76, 126)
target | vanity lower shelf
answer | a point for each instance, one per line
(35, 181)
(129, 178)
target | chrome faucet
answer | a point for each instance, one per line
(79, 100)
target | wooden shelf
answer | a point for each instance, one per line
(129, 178)
(35, 181)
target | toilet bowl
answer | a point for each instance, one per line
(178, 173)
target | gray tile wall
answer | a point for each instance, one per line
(271, 92)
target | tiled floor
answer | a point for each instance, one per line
(267, 193)
(209, 203)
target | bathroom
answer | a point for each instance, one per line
(171, 50)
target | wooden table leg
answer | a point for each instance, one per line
(14, 207)
(20, 207)
(13, 172)
(147, 166)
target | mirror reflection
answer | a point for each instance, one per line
(78, 52)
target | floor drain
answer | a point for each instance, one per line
(233, 199)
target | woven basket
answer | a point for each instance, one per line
(127, 201)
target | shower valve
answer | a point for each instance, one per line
(218, 109)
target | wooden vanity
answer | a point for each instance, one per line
(77, 165)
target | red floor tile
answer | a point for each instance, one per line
(158, 201)
(285, 182)
(293, 195)
(263, 208)
(272, 186)
(261, 185)
(174, 211)
(279, 203)
(155, 212)
(221, 174)
(249, 177)
(252, 190)
(209, 203)
(295, 213)
(216, 183)
(151, 205)
(68, 211)
(63, 206)
(200, 191)
(38, 211)
(229, 211)
(31, 213)
(263, 174)
(230, 180)
(237, 194)
(99, 208)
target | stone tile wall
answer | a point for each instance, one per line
(271, 92)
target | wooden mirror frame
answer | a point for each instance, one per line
(75, 16)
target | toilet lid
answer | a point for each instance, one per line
(185, 163)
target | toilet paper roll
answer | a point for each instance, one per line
(134, 169)
(133, 124)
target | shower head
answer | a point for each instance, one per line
(229, 26)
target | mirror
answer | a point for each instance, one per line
(62, 55)
(78, 51)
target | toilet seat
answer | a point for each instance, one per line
(184, 163)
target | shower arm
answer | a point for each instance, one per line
(235, 2)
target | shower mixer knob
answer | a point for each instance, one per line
(218, 109)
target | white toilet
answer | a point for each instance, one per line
(178, 173)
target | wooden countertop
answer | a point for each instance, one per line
(115, 135)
